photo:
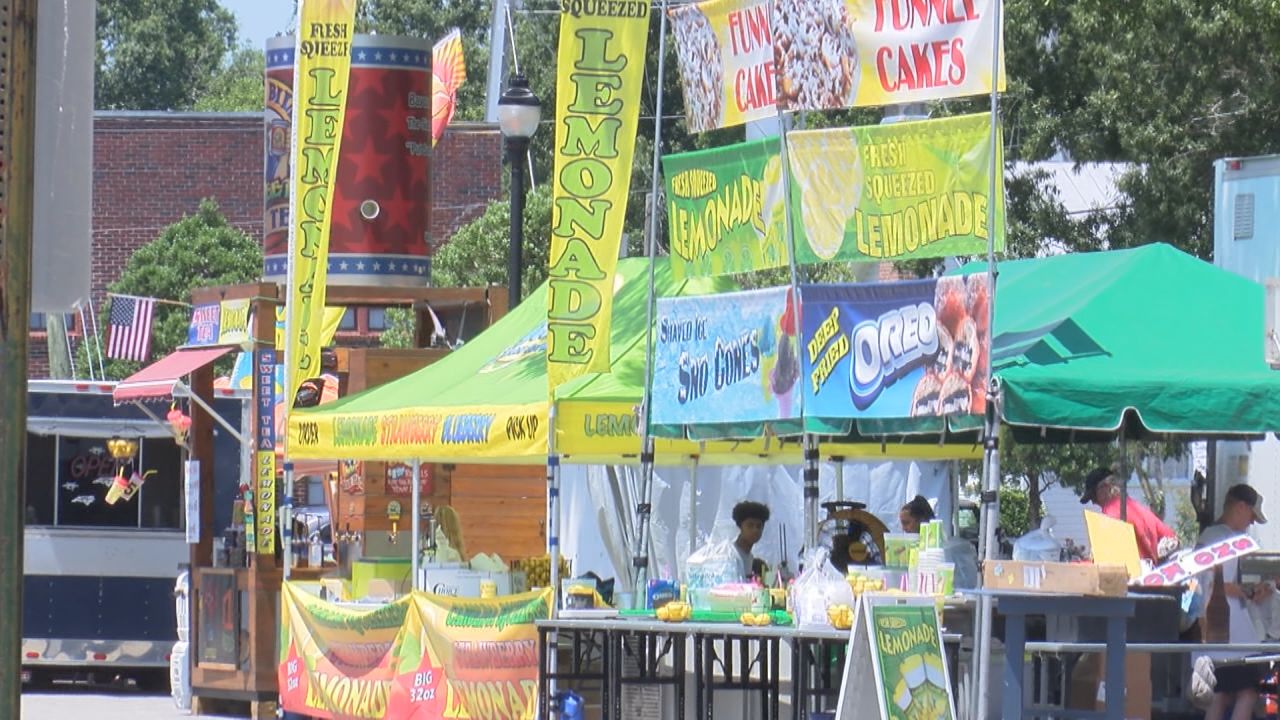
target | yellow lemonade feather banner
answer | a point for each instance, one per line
(321, 74)
(601, 56)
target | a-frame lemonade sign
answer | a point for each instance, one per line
(900, 639)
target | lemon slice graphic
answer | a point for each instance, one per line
(827, 169)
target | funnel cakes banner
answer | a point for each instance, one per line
(726, 358)
(896, 350)
(742, 60)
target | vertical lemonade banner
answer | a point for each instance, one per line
(321, 75)
(601, 64)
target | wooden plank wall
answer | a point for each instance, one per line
(502, 508)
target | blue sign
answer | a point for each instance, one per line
(205, 326)
(896, 350)
(726, 358)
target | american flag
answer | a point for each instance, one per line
(130, 328)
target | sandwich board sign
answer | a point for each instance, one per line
(900, 641)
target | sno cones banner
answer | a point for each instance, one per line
(727, 358)
(725, 211)
(895, 192)
(421, 657)
(601, 68)
(321, 75)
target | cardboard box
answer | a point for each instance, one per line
(1088, 686)
(1056, 577)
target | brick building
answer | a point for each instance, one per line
(150, 169)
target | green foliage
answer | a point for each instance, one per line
(1185, 522)
(160, 54)
(476, 255)
(401, 329)
(1169, 85)
(238, 86)
(1015, 509)
(197, 251)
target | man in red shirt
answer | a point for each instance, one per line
(1155, 539)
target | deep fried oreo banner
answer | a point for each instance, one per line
(598, 79)
(726, 358)
(896, 350)
(893, 192)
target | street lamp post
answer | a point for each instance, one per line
(519, 111)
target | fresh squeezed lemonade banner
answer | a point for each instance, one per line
(724, 49)
(894, 192)
(421, 657)
(896, 350)
(913, 669)
(742, 60)
(458, 432)
(601, 68)
(726, 358)
(724, 209)
(321, 75)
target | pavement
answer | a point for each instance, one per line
(73, 703)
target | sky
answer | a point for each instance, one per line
(260, 19)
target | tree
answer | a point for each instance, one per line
(160, 54)
(1040, 466)
(238, 85)
(1168, 85)
(197, 251)
(476, 255)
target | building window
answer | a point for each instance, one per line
(40, 322)
(377, 319)
(348, 321)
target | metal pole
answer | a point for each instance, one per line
(991, 444)
(640, 558)
(517, 148)
(415, 523)
(17, 146)
(1122, 475)
(839, 463)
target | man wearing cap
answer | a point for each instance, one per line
(1156, 540)
(1236, 689)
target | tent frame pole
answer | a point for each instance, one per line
(640, 557)
(991, 442)
(416, 524)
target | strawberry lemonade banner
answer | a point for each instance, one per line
(742, 60)
(601, 68)
(460, 432)
(421, 657)
(894, 192)
(321, 77)
(896, 350)
(725, 209)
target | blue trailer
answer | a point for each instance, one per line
(98, 577)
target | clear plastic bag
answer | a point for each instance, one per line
(1038, 545)
(716, 563)
(818, 587)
